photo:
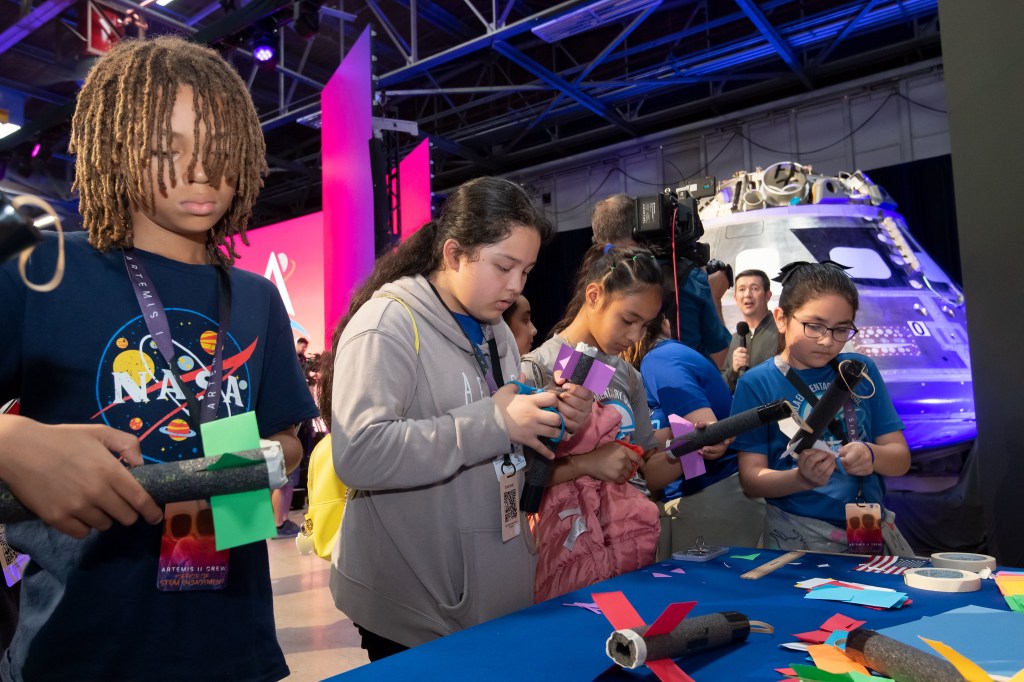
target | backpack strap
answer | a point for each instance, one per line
(415, 329)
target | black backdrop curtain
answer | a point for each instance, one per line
(924, 191)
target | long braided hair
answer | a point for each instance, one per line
(124, 112)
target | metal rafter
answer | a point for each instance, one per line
(567, 88)
(31, 21)
(845, 33)
(594, 63)
(385, 24)
(775, 39)
(477, 44)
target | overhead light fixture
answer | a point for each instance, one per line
(264, 53)
(263, 50)
(588, 17)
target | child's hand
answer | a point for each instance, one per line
(816, 466)
(713, 452)
(70, 479)
(612, 462)
(856, 459)
(525, 418)
(574, 404)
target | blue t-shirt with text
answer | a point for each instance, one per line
(876, 417)
(82, 355)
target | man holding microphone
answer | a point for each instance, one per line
(756, 338)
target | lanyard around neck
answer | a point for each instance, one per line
(155, 317)
(492, 374)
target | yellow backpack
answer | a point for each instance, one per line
(325, 492)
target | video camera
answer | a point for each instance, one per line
(669, 219)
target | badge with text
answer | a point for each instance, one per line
(508, 492)
(189, 559)
(864, 528)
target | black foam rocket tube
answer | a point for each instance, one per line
(190, 479)
(539, 472)
(850, 374)
(730, 427)
(632, 648)
(899, 661)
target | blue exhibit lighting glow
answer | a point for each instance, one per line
(263, 53)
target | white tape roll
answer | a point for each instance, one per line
(965, 561)
(942, 579)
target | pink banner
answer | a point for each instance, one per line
(291, 255)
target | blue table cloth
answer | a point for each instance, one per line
(551, 641)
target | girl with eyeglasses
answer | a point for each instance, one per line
(811, 496)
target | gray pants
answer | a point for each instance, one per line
(721, 513)
(789, 531)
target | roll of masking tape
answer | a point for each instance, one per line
(942, 579)
(964, 561)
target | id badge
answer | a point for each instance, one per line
(509, 506)
(189, 559)
(864, 528)
(505, 468)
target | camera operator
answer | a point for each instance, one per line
(700, 287)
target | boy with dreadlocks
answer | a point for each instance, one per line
(170, 158)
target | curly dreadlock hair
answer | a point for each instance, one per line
(124, 111)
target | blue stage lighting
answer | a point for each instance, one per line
(264, 53)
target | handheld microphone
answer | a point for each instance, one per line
(742, 329)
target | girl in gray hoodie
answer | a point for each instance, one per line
(428, 433)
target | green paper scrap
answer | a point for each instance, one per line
(1016, 602)
(809, 672)
(748, 557)
(241, 518)
(229, 460)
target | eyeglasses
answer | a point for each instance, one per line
(816, 330)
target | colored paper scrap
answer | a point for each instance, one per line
(793, 646)
(814, 637)
(837, 639)
(808, 672)
(241, 518)
(1015, 602)
(680, 427)
(841, 622)
(693, 465)
(592, 607)
(678, 570)
(1009, 584)
(660, 575)
(989, 637)
(786, 671)
(812, 583)
(970, 670)
(748, 557)
(831, 659)
(886, 600)
(566, 360)
(599, 377)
